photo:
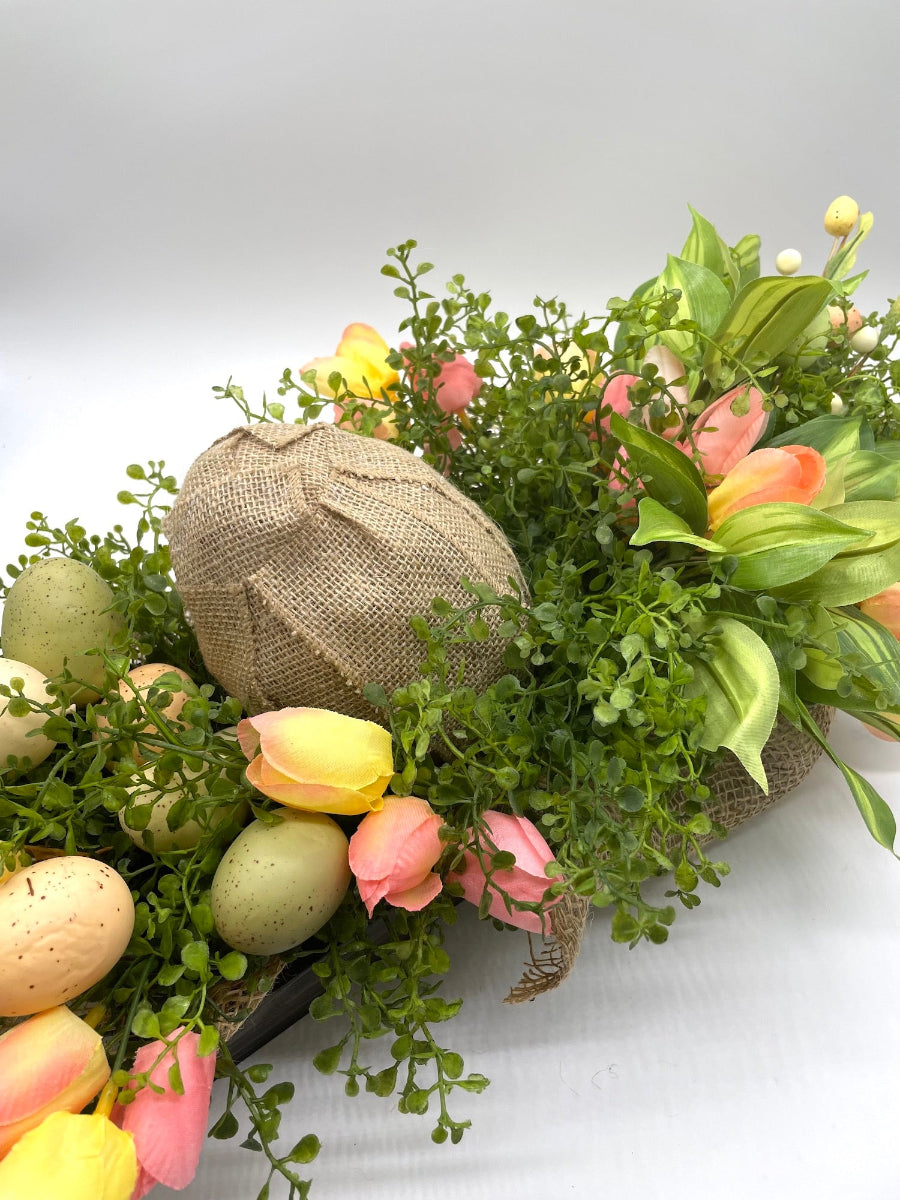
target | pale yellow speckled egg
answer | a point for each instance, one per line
(17, 736)
(277, 885)
(63, 924)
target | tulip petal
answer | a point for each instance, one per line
(723, 439)
(794, 474)
(669, 368)
(312, 797)
(53, 1062)
(169, 1129)
(415, 898)
(366, 346)
(70, 1156)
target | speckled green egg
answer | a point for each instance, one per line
(184, 837)
(55, 611)
(277, 885)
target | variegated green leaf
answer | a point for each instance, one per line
(657, 524)
(666, 473)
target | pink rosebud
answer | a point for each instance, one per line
(792, 474)
(723, 439)
(317, 760)
(885, 608)
(393, 851)
(53, 1062)
(168, 1128)
(526, 881)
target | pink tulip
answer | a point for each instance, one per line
(885, 608)
(723, 439)
(392, 853)
(526, 881)
(316, 760)
(792, 474)
(53, 1062)
(168, 1128)
(456, 385)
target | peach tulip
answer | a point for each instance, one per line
(392, 853)
(669, 368)
(526, 881)
(168, 1128)
(455, 385)
(885, 608)
(71, 1156)
(723, 439)
(361, 360)
(318, 761)
(793, 474)
(53, 1062)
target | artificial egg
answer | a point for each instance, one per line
(64, 923)
(139, 681)
(14, 731)
(277, 885)
(186, 836)
(55, 611)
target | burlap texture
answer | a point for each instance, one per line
(302, 552)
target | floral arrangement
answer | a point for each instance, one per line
(702, 490)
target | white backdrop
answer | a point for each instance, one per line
(198, 189)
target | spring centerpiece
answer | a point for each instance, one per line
(519, 612)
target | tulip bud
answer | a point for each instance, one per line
(865, 340)
(841, 215)
(788, 262)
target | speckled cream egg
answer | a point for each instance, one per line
(278, 884)
(140, 680)
(64, 923)
(57, 609)
(14, 731)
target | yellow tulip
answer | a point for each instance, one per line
(318, 761)
(71, 1156)
(361, 360)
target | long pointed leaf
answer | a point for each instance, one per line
(667, 474)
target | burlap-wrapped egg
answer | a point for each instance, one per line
(302, 552)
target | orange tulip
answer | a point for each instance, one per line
(392, 853)
(790, 474)
(53, 1062)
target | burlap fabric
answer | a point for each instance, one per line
(302, 552)
(788, 757)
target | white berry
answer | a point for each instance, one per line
(864, 340)
(788, 262)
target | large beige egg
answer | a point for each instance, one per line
(14, 731)
(55, 611)
(63, 924)
(139, 681)
(186, 836)
(278, 884)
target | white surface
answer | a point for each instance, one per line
(200, 189)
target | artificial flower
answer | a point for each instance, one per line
(668, 369)
(526, 881)
(721, 438)
(53, 1062)
(392, 853)
(361, 360)
(885, 608)
(317, 760)
(71, 1156)
(792, 474)
(455, 385)
(168, 1127)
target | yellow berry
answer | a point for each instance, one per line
(841, 215)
